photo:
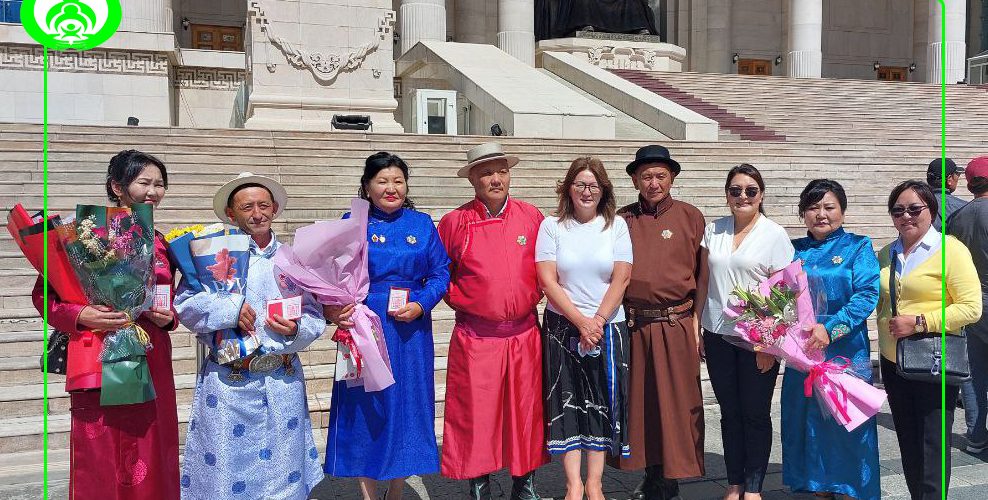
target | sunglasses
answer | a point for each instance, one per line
(750, 191)
(913, 211)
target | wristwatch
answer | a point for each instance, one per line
(920, 324)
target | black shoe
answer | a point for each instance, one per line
(670, 489)
(523, 487)
(480, 488)
(651, 487)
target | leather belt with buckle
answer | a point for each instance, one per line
(639, 314)
(259, 364)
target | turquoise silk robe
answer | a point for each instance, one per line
(817, 453)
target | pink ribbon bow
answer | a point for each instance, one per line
(828, 388)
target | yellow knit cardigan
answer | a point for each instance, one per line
(919, 293)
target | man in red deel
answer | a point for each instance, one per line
(493, 414)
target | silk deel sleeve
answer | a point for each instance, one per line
(865, 283)
(436, 280)
(204, 312)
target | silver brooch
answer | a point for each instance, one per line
(837, 259)
(411, 240)
(522, 240)
(666, 234)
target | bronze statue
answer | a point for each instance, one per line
(562, 18)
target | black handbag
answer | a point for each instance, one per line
(922, 358)
(57, 353)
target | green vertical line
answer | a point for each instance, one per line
(944, 431)
(44, 328)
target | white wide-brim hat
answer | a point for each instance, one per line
(277, 192)
(484, 153)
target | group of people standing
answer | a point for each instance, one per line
(635, 300)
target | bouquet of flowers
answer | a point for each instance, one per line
(215, 259)
(111, 250)
(329, 260)
(776, 319)
(83, 369)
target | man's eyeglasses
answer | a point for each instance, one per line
(581, 187)
(912, 210)
(750, 191)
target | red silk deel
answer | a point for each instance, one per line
(493, 415)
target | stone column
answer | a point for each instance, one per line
(954, 14)
(471, 22)
(516, 29)
(147, 16)
(421, 20)
(805, 55)
(719, 46)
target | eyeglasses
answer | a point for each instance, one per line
(912, 210)
(750, 191)
(582, 186)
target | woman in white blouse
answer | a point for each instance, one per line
(583, 257)
(744, 247)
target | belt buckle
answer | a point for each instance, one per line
(265, 363)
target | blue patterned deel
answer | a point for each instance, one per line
(255, 429)
(818, 455)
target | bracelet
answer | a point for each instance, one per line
(601, 316)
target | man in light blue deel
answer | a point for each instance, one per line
(249, 432)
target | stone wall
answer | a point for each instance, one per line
(93, 87)
(856, 33)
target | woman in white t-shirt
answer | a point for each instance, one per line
(743, 248)
(583, 258)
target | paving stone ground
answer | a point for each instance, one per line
(969, 474)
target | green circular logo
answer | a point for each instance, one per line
(71, 24)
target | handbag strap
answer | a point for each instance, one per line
(893, 299)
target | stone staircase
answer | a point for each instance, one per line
(321, 172)
(830, 110)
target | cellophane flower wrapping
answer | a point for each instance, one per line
(329, 260)
(217, 259)
(111, 250)
(776, 319)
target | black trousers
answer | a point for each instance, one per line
(916, 409)
(745, 398)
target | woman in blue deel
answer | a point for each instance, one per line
(818, 454)
(390, 434)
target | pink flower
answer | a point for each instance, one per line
(223, 268)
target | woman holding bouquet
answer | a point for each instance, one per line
(126, 451)
(389, 435)
(583, 257)
(912, 265)
(744, 247)
(818, 454)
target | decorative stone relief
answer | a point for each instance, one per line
(31, 58)
(188, 77)
(622, 57)
(325, 68)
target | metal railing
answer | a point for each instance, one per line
(10, 11)
(977, 69)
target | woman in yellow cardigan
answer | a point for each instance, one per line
(915, 259)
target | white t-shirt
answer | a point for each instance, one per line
(584, 255)
(764, 250)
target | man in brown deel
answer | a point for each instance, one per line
(663, 300)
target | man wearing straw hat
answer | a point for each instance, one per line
(493, 414)
(249, 432)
